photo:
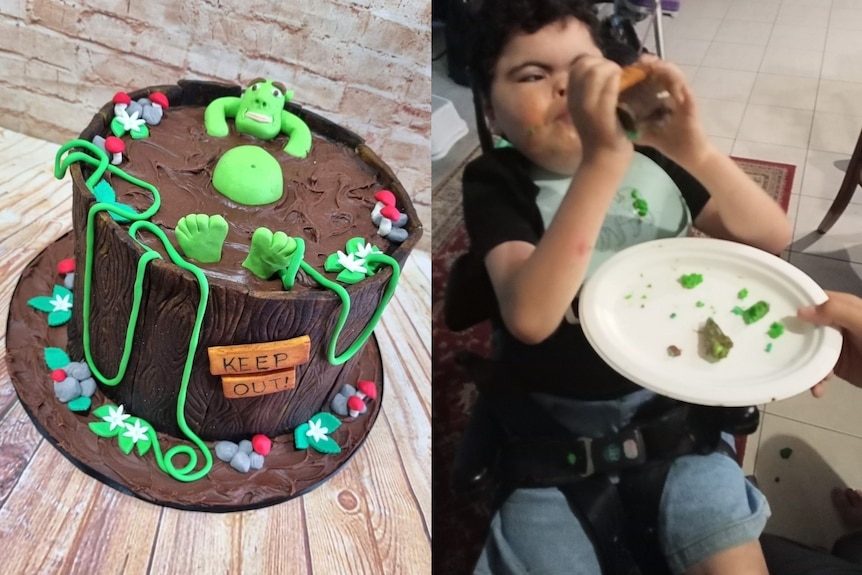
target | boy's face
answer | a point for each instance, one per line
(528, 94)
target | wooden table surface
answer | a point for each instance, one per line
(372, 517)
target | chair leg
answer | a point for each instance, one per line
(845, 193)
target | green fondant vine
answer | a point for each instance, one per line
(102, 164)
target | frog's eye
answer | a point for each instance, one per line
(255, 87)
(276, 92)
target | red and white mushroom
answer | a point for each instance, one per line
(116, 147)
(121, 102)
(159, 99)
(355, 405)
(366, 389)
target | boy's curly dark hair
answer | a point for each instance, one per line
(494, 24)
(496, 21)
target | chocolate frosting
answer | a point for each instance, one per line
(327, 199)
(287, 472)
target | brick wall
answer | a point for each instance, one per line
(362, 63)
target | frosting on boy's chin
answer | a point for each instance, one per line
(555, 147)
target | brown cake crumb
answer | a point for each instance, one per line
(673, 351)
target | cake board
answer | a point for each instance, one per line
(287, 472)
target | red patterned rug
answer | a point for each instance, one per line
(460, 525)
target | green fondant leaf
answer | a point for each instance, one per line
(62, 291)
(327, 445)
(349, 277)
(56, 358)
(42, 303)
(144, 445)
(140, 133)
(120, 219)
(332, 264)
(104, 410)
(371, 268)
(299, 437)
(56, 318)
(80, 404)
(103, 192)
(117, 127)
(126, 443)
(103, 428)
(353, 244)
(329, 421)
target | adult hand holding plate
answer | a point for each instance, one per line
(637, 314)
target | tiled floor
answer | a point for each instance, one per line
(778, 80)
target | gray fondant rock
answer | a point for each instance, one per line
(69, 280)
(402, 221)
(241, 462)
(347, 390)
(397, 235)
(79, 370)
(99, 141)
(144, 102)
(339, 405)
(67, 390)
(152, 115)
(134, 107)
(88, 387)
(256, 460)
(245, 446)
(225, 450)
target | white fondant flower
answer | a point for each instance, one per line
(130, 123)
(363, 250)
(136, 432)
(61, 302)
(116, 417)
(351, 262)
(316, 431)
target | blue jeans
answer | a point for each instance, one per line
(707, 506)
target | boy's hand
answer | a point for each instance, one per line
(680, 136)
(842, 311)
(593, 92)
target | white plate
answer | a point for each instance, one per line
(626, 307)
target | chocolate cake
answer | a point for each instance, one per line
(219, 351)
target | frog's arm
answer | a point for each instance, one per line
(216, 114)
(299, 136)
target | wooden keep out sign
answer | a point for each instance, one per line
(253, 369)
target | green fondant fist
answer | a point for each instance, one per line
(201, 237)
(249, 175)
(269, 252)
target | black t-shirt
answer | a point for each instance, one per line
(500, 206)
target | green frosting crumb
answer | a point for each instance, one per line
(755, 312)
(776, 330)
(700, 304)
(641, 207)
(673, 315)
(738, 310)
(689, 281)
(768, 347)
(635, 194)
(629, 296)
(743, 293)
(643, 296)
(785, 453)
(572, 459)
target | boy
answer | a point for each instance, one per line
(535, 213)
